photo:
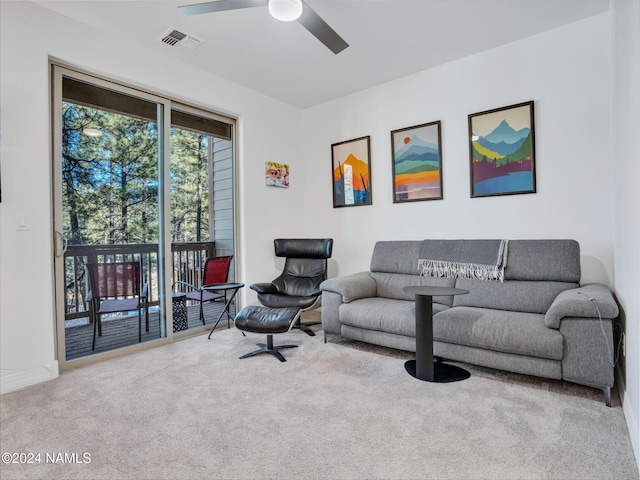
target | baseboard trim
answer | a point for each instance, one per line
(26, 378)
(632, 422)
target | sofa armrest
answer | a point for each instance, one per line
(351, 287)
(588, 301)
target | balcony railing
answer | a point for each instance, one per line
(186, 262)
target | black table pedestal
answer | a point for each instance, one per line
(424, 367)
(442, 372)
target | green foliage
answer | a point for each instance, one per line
(523, 152)
(423, 167)
(189, 186)
(479, 152)
(110, 182)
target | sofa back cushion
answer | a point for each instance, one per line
(394, 265)
(539, 260)
(536, 271)
(400, 256)
(390, 285)
(513, 295)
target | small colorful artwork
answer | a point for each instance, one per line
(417, 163)
(502, 151)
(351, 172)
(277, 174)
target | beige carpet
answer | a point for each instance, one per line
(341, 410)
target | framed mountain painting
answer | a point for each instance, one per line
(502, 151)
(417, 163)
(351, 172)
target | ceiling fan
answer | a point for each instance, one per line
(285, 10)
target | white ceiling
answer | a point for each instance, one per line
(388, 39)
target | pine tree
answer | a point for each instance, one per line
(189, 186)
(110, 182)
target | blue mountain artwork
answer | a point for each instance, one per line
(503, 148)
(417, 149)
(504, 133)
(502, 161)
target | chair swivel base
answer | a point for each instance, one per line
(304, 327)
(270, 349)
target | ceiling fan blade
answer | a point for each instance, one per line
(221, 6)
(321, 30)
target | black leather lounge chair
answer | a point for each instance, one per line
(304, 270)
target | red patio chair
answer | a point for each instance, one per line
(216, 271)
(115, 287)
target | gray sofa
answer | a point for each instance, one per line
(538, 320)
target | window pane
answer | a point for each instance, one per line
(110, 184)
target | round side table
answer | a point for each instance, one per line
(423, 367)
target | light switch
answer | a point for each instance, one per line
(22, 222)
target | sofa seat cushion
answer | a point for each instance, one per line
(383, 314)
(498, 330)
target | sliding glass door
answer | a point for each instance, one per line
(136, 180)
(202, 206)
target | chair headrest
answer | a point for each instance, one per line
(303, 247)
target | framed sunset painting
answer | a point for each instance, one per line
(417, 163)
(502, 151)
(351, 172)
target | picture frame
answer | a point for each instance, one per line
(416, 160)
(351, 172)
(502, 151)
(277, 174)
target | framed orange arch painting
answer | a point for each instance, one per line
(351, 172)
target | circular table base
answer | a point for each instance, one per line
(442, 372)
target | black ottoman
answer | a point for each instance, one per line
(258, 319)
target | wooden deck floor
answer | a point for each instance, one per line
(122, 332)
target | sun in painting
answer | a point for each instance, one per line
(406, 140)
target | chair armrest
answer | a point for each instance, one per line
(351, 287)
(315, 292)
(588, 301)
(263, 287)
(179, 282)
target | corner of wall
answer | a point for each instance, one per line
(632, 422)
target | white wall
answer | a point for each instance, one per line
(27, 341)
(580, 164)
(626, 198)
(566, 73)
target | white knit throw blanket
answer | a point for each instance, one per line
(473, 259)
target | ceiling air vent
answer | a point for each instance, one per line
(176, 38)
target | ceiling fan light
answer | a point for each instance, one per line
(285, 10)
